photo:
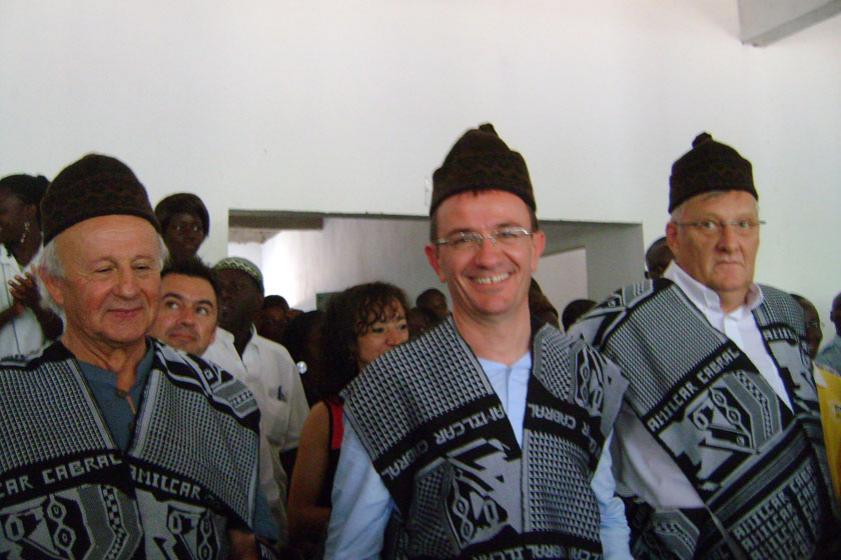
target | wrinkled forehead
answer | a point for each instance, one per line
(731, 202)
(469, 209)
(114, 237)
(232, 277)
(188, 288)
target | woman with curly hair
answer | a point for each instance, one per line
(361, 323)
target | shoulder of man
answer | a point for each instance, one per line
(599, 322)
(781, 307)
(280, 377)
(278, 351)
(51, 353)
(191, 372)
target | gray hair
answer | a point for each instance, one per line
(48, 263)
(677, 214)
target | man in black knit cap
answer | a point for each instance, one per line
(114, 444)
(718, 450)
(487, 436)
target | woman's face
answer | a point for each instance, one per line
(184, 235)
(384, 334)
(13, 214)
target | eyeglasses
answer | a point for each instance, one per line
(472, 240)
(716, 227)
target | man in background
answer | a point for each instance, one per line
(187, 320)
(434, 302)
(266, 362)
(812, 322)
(657, 258)
(272, 318)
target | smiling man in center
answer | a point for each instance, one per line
(487, 436)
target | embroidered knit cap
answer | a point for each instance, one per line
(243, 265)
(186, 203)
(96, 185)
(480, 160)
(709, 166)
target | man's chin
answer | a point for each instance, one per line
(188, 344)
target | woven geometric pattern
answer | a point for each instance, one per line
(426, 534)
(576, 507)
(432, 359)
(753, 462)
(226, 451)
(65, 400)
(194, 448)
(467, 488)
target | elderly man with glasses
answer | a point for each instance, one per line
(718, 447)
(483, 438)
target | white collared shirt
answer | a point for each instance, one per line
(273, 479)
(266, 367)
(738, 325)
(640, 461)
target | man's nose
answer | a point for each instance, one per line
(728, 240)
(187, 316)
(127, 285)
(488, 249)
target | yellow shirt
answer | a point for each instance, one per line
(829, 396)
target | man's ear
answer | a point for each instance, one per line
(538, 240)
(431, 252)
(671, 237)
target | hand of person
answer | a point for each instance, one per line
(24, 290)
(17, 308)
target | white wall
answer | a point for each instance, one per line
(345, 253)
(348, 106)
(349, 251)
(563, 277)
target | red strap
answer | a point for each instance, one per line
(337, 423)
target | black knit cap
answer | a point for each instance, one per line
(187, 203)
(96, 185)
(709, 166)
(480, 160)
